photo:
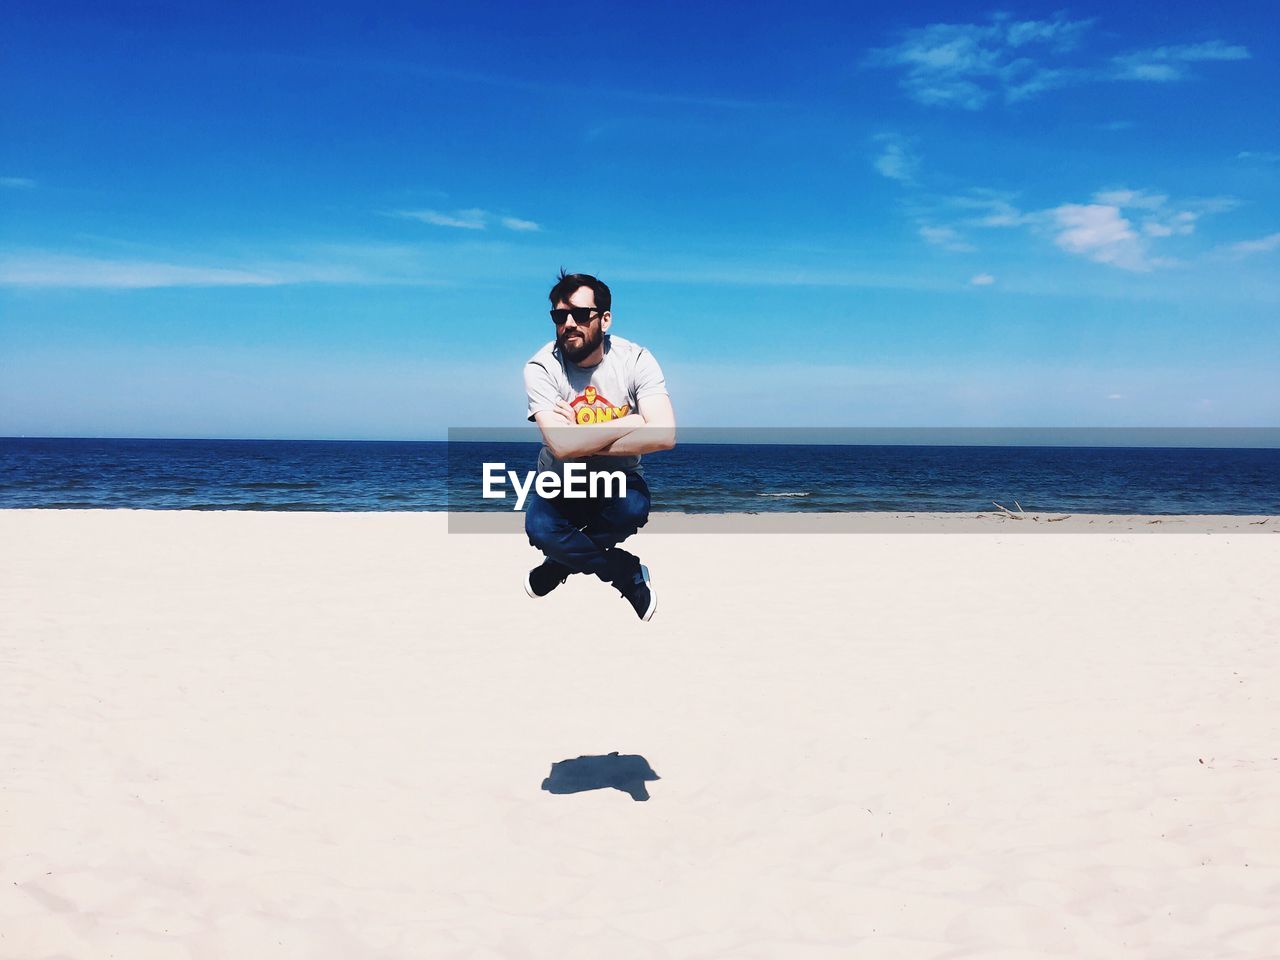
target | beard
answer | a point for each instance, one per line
(575, 349)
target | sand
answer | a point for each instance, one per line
(324, 736)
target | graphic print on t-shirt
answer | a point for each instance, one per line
(591, 406)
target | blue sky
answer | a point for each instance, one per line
(317, 221)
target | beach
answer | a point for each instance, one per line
(324, 735)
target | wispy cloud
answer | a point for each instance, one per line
(1246, 248)
(948, 222)
(968, 65)
(1163, 64)
(540, 85)
(989, 208)
(946, 237)
(1118, 226)
(897, 159)
(982, 280)
(1161, 218)
(1099, 232)
(522, 226)
(461, 219)
(17, 183)
(1258, 156)
(1125, 197)
(471, 219)
(37, 269)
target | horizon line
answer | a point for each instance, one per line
(1262, 438)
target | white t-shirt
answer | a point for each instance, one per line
(613, 388)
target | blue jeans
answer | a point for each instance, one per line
(582, 536)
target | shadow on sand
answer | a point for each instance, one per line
(627, 773)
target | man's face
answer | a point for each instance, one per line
(575, 342)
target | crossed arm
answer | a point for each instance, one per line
(654, 428)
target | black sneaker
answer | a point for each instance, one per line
(542, 579)
(640, 595)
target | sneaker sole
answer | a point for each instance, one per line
(528, 588)
(653, 597)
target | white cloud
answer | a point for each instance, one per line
(1037, 80)
(1118, 226)
(1131, 198)
(17, 183)
(472, 219)
(58, 270)
(71, 271)
(1163, 64)
(1258, 156)
(462, 219)
(991, 209)
(982, 280)
(1099, 232)
(897, 160)
(966, 65)
(1160, 218)
(1249, 247)
(1115, 396)
(1207, 205)
(947, 238)
(1180, 224)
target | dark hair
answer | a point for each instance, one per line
(567, 283)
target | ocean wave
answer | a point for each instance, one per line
(278, 485)
(787, 493)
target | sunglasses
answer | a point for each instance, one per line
(581, 316)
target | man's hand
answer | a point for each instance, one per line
(657, 430)
(626, 436)
(569, 440)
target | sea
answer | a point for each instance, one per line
(342, 475)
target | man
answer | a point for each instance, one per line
(601, 400)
